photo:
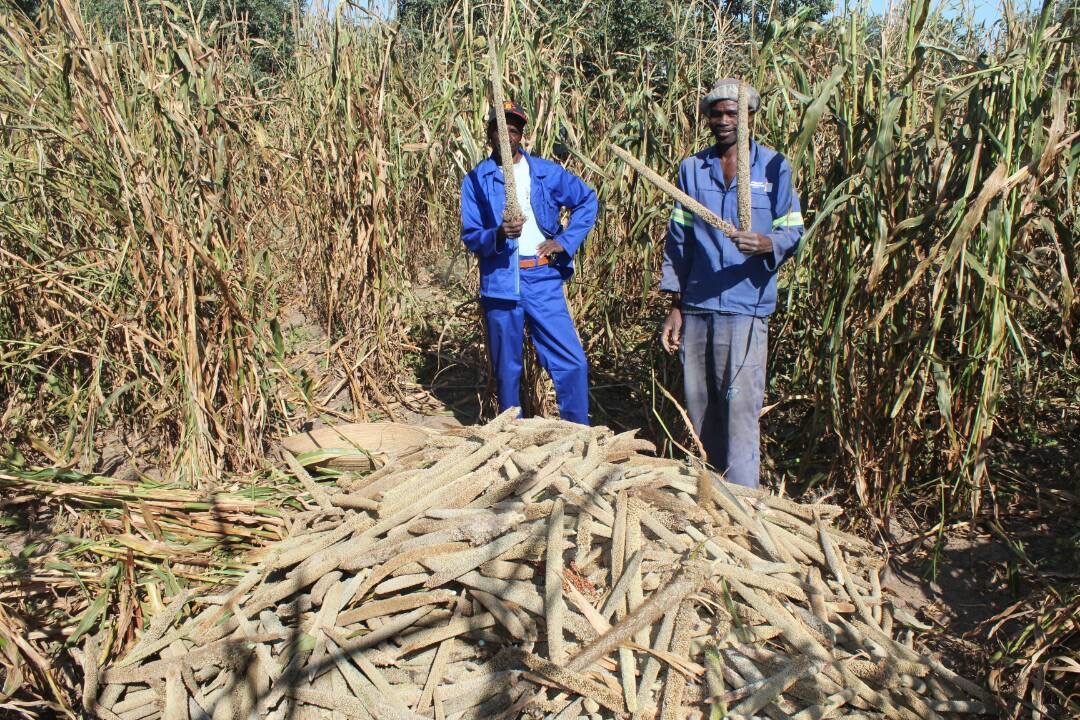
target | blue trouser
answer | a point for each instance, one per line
(724, 379)
(543, 307)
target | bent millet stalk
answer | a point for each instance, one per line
(673, 192)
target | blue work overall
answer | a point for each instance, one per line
(516, 291)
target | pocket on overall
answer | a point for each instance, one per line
(497, 275)
(761, 215)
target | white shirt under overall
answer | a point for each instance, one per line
(531, 237)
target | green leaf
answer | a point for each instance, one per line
(115, 394)
(314, 457)
(306, 643)
(944, 395)
(279, 341)
(812, 115)
(91, 615)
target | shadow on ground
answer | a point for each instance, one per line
(988, 578)
(452, 365)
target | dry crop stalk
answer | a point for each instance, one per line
(426, 638)
(837, 567)
(689, 579)
(652, 665)
(673, 192)
(759, 580)
(617, 599)
(671, 708)
(394, 605)
(512, 212)
(501, 612)
(714, 679)
(438, 666)
(574, 681)
(615, 604)
(447, 569)
(636, 593)
(777, 684)
(583, 539)
(742, 173)
(409, 557)
(553, 599)
(790, 598)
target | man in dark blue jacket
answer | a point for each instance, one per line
(723, 288)
(523, 266)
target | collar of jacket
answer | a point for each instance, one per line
(710, 162)
(490, 167)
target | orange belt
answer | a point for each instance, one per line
(533, 262)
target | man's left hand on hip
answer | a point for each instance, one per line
(549, 248)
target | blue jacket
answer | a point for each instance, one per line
(483, 200)
(703, 263)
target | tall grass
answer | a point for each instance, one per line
(356, 217)
(159, 190)
(945, 216)
(155, 209)
(151, 181)
(135, 277)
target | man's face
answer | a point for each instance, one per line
(723, 119)
(514, 131)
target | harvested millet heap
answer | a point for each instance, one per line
(539, 568)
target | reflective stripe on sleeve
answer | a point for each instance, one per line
(792, 219)
(682, 217)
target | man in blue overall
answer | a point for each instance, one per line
(523, 266)
(723, 287)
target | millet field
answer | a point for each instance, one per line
(210, 241)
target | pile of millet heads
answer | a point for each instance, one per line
(536, 568)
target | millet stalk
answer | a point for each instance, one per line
(742, 173)
(675, 193)
(512, 212)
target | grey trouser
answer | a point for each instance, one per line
(723, 360)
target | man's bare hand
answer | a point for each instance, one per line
(511, 229)
(751, 243)
(549, 247)
(671, 330)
